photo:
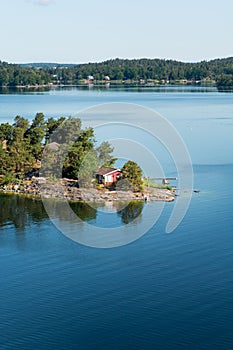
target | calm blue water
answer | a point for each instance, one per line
(164, 291)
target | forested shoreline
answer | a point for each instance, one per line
(161, 71)
(55, 149)
(24, 144)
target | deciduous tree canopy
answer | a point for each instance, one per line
(133, 173)
(67, 144)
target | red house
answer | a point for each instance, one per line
(107, 175)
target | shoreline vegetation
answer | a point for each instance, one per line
(74, 167)
(144, 72)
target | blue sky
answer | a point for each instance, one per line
(75, 31)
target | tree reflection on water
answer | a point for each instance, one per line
(131, 211)
(22, 211)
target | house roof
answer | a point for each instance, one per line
(106, 170)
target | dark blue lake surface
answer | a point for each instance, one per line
(163, 291)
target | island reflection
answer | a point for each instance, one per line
(21, 211)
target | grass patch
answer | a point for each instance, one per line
(149, 183)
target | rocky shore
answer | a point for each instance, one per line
(68, 189)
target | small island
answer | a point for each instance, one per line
(31, 155)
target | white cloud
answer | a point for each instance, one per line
(43, 2)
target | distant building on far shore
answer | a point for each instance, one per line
(90, 79)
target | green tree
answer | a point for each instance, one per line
(104, 154)
(6, 131)
(67, 132)
(36, 134)
(87, 169)
(78, 150)
(4, 160)
(133, 173)
(20, 153)
(21, 123)
(51, 125)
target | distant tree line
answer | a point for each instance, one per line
(117, 69)
(225, 81)
(15, 75)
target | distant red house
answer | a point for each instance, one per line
(107, 175)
